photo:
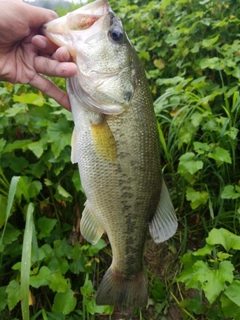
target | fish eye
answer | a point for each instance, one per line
(116, 35)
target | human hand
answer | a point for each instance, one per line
(24, 54)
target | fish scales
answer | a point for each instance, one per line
(136, 171)
(116, 145)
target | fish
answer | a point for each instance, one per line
(116, 145)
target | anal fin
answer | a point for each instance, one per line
(89, 226)
(164, 223)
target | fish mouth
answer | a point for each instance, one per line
(61, 30)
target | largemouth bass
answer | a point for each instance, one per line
(115, 143)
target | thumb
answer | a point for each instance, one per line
(38, 16)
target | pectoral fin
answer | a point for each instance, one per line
(74, 147)
(104, 142)
(164, 223)
(89, 226)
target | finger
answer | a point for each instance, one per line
(38, 16)
(47, 47)
(62, 55)
(51, 90)
(54, 68)
(44, 44)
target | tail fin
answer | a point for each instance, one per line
(123, 291)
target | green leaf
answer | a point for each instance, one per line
(64, 302)
(78, 265)
(92, 308)
(173, 38)
(19, 165)
(159, 63)
(232, 133)
(212, 63)
(11, 234)
(230, 193)
(201, 147)
(60, 264)
(23, 187)
(46, 250)
(195, 304)
(18, 144)
(236, 73)
(220, 155)
(213, 280)
(59, 135)
(48, 182)
(46, 226)
(170, 81)
(206, 43)
(233, 292)
(206, 250)
(87, 288)
(186, 275)
(223, 256)
(230, 300)
(224, 237)
(62, 248)
(95, 248)
(2, 144)
(38, 147)
(3, 298)
(13, 294)
(210, 125)
(188, 165)
(79, 259)
(30, 98)
(197, 198)
(38, 168)
(186, 133)
(89, 302)
(144, 55)
(62, 194)
(76, 181)
(41, 279)
(15, 109)
(34, 188)
(158, 290)
(57, 282)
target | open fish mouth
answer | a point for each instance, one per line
(81, 19)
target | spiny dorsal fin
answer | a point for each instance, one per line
(164, 223)
(89, 226)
